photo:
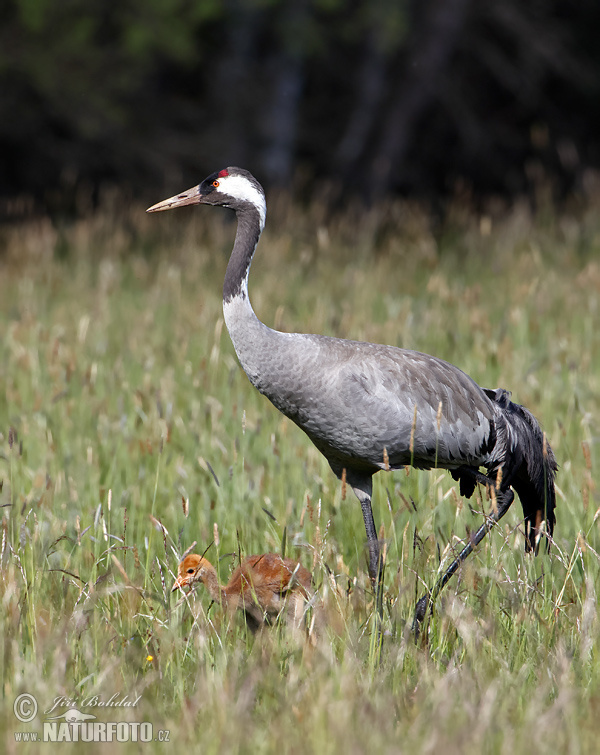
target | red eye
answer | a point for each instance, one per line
(215, 183)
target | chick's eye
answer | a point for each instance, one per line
(190, 571)
(215, 183)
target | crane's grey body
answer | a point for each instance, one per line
(366, 406)
(369, 407)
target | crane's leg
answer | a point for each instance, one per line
(504, 499)
(363, 489)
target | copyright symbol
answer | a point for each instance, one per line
(25, 708)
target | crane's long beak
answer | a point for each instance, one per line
(179, 582)
(191, 196)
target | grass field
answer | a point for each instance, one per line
(128, 431)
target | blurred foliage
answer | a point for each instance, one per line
(378, 95)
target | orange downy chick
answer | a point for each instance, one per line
(262, 585)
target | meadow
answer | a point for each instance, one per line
(128, 431)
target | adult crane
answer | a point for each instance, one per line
(369, 407)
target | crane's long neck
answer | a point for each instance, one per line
(250, 337)
(249, 227)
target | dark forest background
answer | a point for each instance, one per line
(374, 97)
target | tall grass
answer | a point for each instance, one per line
(128, 431)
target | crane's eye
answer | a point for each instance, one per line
(190, 571)
(215, 183)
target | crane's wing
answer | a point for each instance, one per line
(383, 405)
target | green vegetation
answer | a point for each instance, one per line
(122, 407)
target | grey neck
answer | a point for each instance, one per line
(252, 339)
(246, 239)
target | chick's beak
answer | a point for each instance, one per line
(191, 196)
(178, 584)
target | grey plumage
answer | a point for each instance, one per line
(369, 407)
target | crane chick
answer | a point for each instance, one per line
(263, 586)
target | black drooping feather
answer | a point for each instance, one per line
(527, 464)
(534, 477)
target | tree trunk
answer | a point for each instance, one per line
(281, 125)
(371, 80)
(432, 49)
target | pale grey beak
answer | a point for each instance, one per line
(191, 196)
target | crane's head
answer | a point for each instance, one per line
(231, 187)
(192, 569)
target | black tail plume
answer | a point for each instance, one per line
(529, 467)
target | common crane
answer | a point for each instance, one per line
(369, 407)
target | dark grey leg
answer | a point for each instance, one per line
(364, 490)
(504, 501)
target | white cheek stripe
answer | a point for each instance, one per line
(240, 188)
